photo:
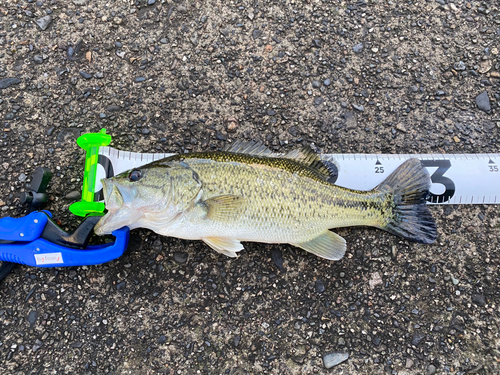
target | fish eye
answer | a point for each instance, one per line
(135, 175)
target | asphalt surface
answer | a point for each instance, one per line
(163, 76)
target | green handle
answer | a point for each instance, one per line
(90, 143)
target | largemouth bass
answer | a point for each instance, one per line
(247, 193)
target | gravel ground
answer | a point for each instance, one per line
(172, 76)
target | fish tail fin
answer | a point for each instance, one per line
(407, 189)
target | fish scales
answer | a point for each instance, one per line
(247, 193)
(281, 204)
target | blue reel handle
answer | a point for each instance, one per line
(42, 253)
(26, 228)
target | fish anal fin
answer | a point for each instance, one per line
(226, 246)
(328, 245)
(223, 207)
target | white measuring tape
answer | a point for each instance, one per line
(456, 178)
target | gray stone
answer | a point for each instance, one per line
(180, 257)
(256, 34)
(38, 59)
(417, 338)
(44, 22)
(333, 359)
(85, 75)
(319, 286)
(358, 48)
(32, 317)
(318, 101)
(483, 102)
(459, 65)
(431, 370)
(73, 195)
(478, 299)
(7, 82)
(114, 108)
(350, 120)
(358, 107)
(317, 43)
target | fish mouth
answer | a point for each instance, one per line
(113, 198)
(120, 214)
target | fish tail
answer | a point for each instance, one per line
(407, 214)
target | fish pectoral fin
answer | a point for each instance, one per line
(226, 246)
(223, 207)
(328, 245)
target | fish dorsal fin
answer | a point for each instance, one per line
(309, 158)
(305, 156)
(249, 147)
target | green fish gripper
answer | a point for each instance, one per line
(90, 142)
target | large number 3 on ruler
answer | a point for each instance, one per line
(438, 178)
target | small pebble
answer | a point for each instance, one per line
(44, 22)
(7, 82)
(85, 75)
(32, 317)
(180, 257)
(417, 338)
(256, 34)
(73, 195)
(319, 286)
(478, 299)
(358, 48)
(113, 108)
(317, 43)
(483, 102)
(277, 258)
(333, 359)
